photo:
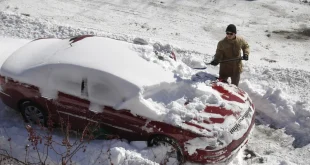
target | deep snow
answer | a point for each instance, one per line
(276, 77)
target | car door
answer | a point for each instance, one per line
(72, 101)
(130, 126)
(105, 93)
(73, 110)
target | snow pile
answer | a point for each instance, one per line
(162, 55)
(276, 109)
(32, 28)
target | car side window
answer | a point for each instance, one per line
(70, 81)
(68, 86)
(104, 94)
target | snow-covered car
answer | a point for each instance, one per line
(89, 79)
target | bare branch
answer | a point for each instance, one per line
(12, 158)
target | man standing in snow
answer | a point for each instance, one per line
(230, 48)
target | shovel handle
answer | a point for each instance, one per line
(229, 60)
(234, 59)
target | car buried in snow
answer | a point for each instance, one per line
(89, 79)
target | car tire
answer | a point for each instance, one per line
(164, 140)
(33, 113)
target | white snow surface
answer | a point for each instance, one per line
(276, 77)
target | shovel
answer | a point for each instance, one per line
(224, 61)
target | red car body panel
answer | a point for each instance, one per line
(132, 127)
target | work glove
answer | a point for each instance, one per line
(245, 57)
(214, 63)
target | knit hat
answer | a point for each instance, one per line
(231, 28)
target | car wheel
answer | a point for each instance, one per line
(33, 113)
(173, 148)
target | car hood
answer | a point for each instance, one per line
(222, 107)
(204, 109)
(226, 121)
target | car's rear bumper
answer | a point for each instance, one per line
(5, 96)
(7, 100)
(224, 155)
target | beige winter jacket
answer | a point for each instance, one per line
(230, 49)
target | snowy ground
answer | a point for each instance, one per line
(276, 77)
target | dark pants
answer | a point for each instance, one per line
(234, 78)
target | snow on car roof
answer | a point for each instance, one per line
(112, 56)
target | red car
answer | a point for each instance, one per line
(88, 79)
